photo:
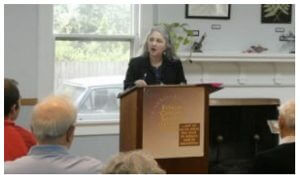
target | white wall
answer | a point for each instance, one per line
(243, 29)
(29, 49)
(21, 47)
(21, 52)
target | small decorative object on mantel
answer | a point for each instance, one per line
(276, 13)
(255, 49)
(197, 46)
(289, 38)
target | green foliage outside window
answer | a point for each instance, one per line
(97, 20)
(92, 51)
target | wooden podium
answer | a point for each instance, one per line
(170, 122)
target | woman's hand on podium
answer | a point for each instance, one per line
(140, 83)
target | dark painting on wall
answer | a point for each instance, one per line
(276, 13)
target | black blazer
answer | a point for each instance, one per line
(278, 160)
(140, 68)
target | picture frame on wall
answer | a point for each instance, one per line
(276, 13)
(208, 11)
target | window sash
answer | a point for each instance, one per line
(91, 37)
(132, 38)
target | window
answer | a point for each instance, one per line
(93, 42)
(100, 103)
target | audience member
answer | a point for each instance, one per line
(53, 124)
(17, 140)
(134, 162)
(280, 159)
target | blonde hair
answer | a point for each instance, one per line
(133, 162)
(287, 113)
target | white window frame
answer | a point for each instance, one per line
(143, 20)
(101, 127)
(46, 56)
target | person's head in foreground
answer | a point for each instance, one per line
(53, 121)
(286, 119)
(133, 162)
(11, 99)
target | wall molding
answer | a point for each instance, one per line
(108, 127)
(238, 57)
(241, 70)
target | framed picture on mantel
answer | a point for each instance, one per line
(209, 11)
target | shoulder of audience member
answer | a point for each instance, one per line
(91, 163)
(21, 129)
(27, 136)
(90, 159)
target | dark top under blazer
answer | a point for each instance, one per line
(278, 160)
(140, 68)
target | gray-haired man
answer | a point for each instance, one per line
(53, 125)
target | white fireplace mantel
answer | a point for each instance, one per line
(238, 57)
(240, 69)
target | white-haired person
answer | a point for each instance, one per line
(53, 124)
(280, 159)
(158, 64)
(133, 162)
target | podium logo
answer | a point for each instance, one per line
(170, 115)
(189, 134)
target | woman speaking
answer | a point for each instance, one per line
(158, 64)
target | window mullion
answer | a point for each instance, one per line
(92, 37)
